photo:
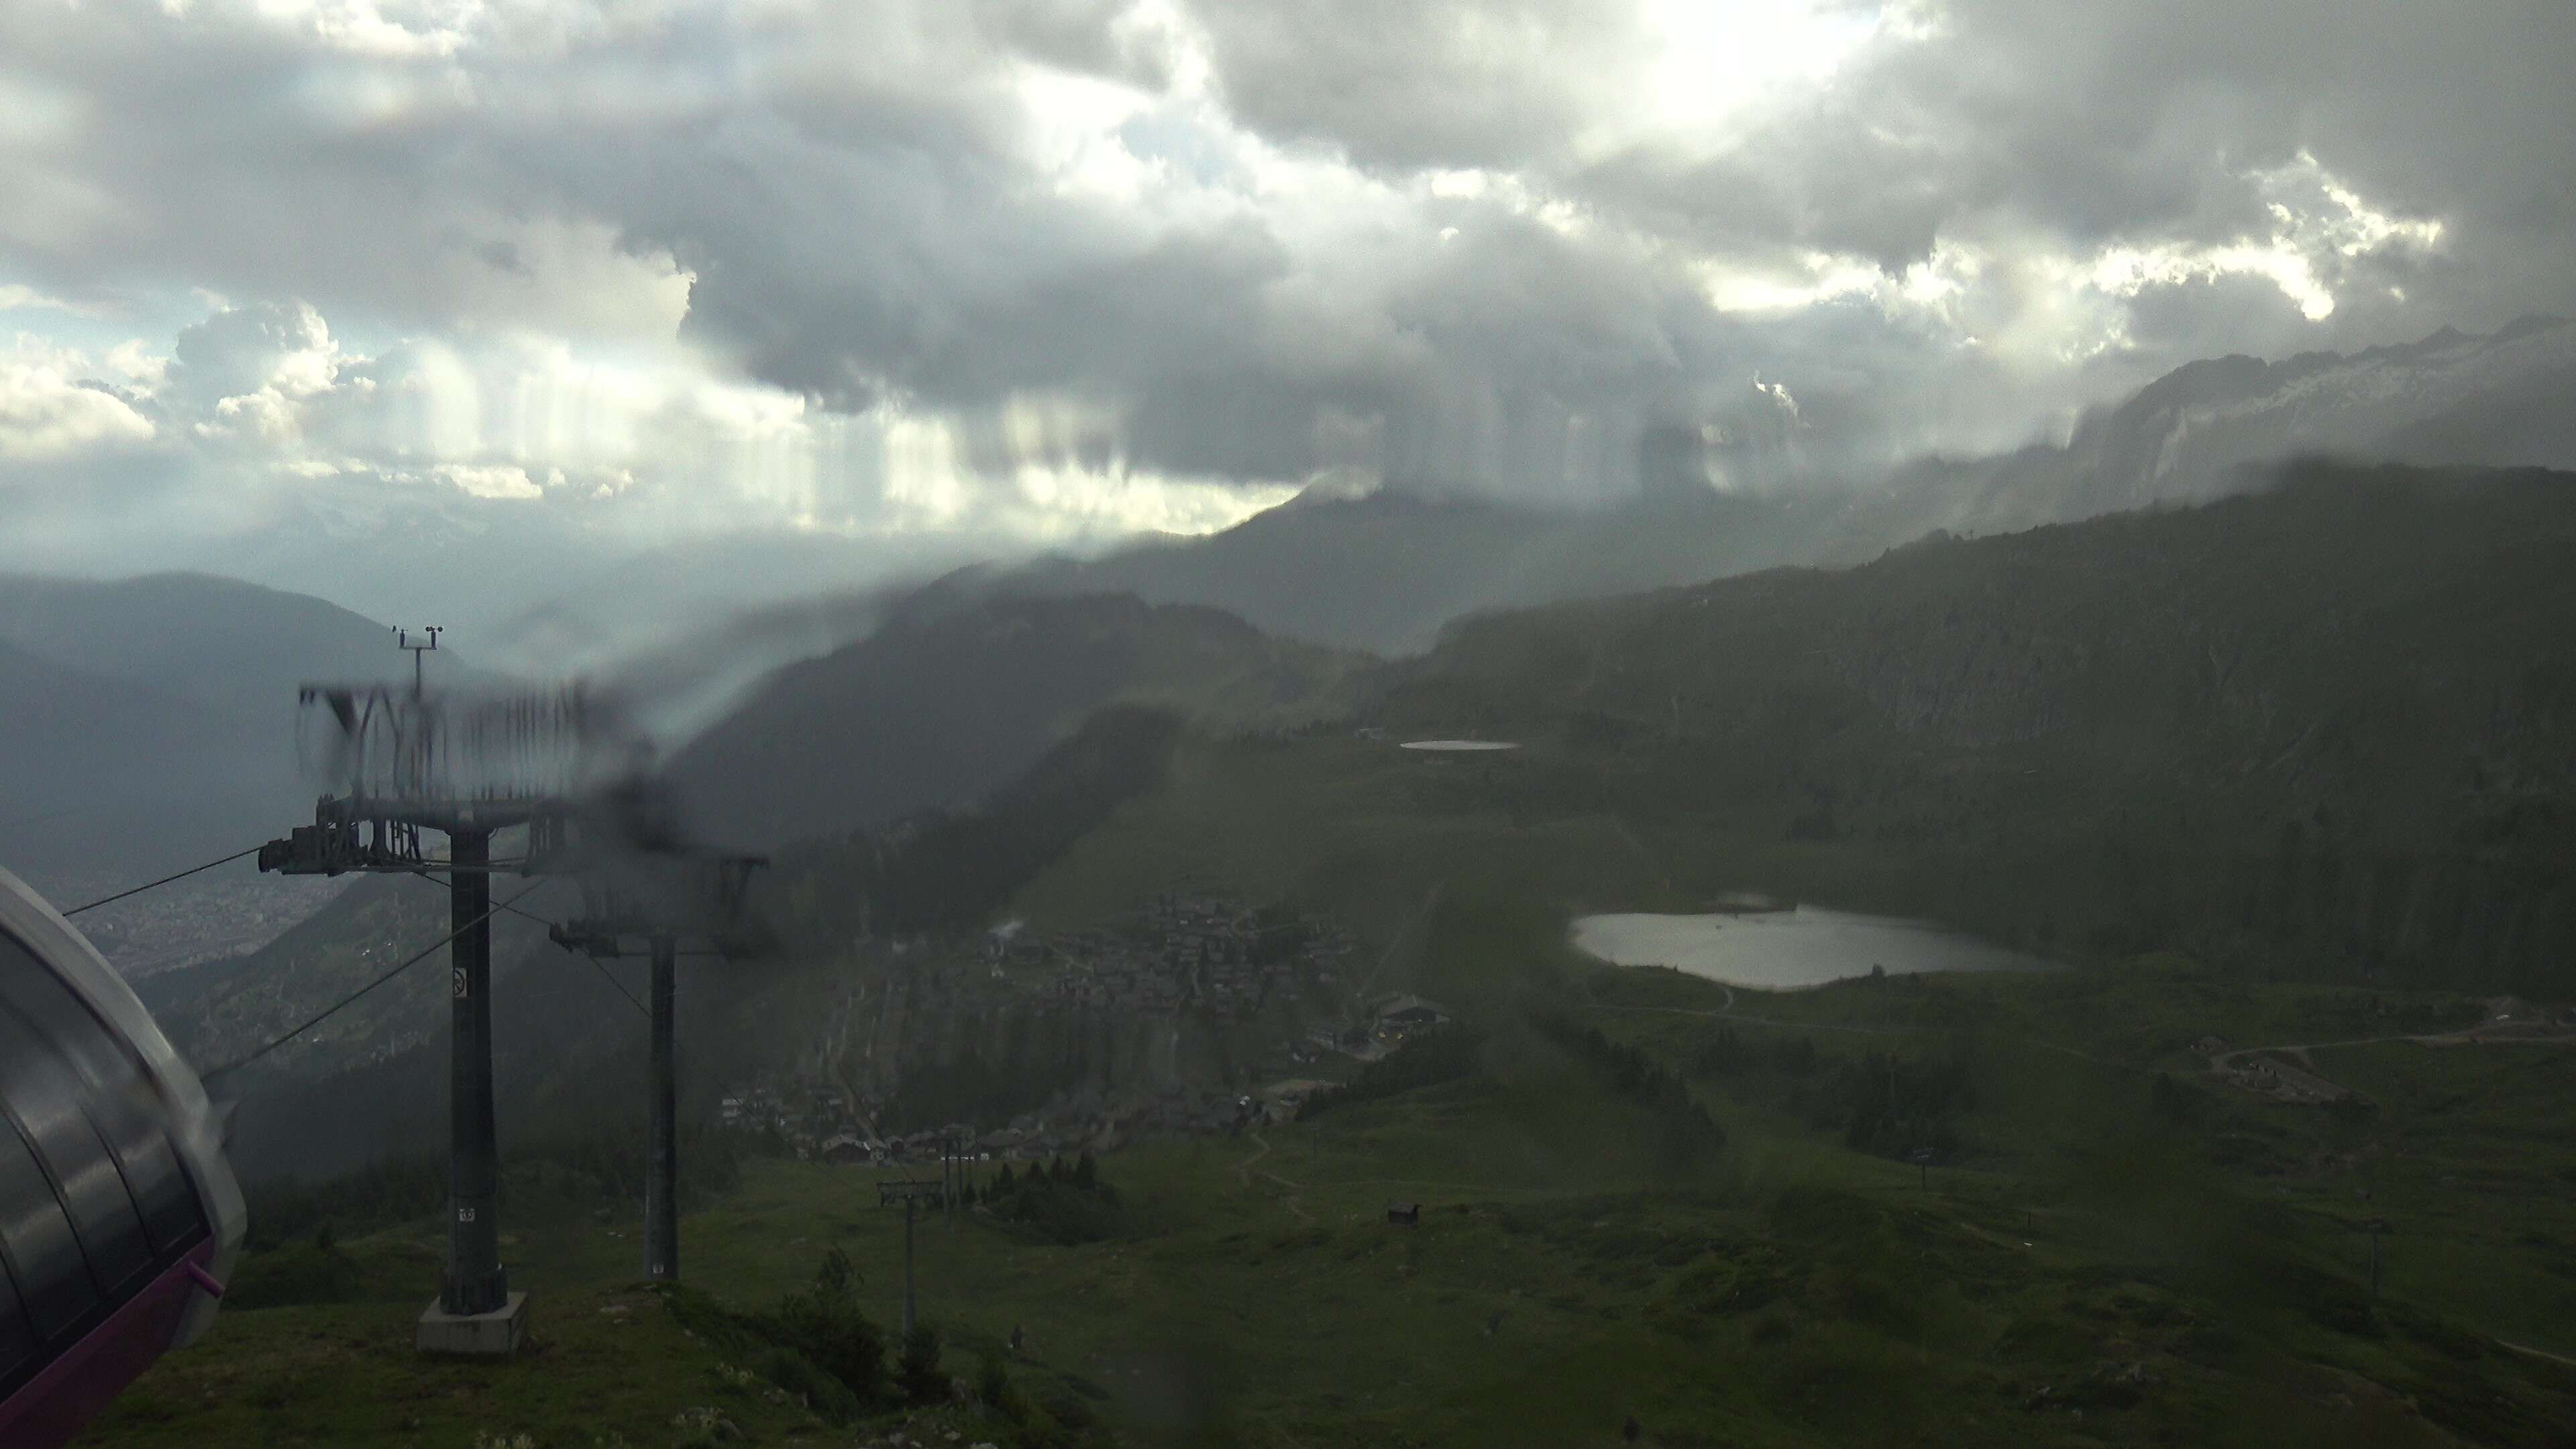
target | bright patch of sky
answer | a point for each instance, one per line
(1717, 61)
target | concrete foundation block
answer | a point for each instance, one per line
(497, 1334)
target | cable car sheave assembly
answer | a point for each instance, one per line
(564, 768)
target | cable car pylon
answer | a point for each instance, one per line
(470, 768)
(651, 905)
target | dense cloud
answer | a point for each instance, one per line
(1057, 269)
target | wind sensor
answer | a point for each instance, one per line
(403, 640)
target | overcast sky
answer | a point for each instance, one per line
(569, 274)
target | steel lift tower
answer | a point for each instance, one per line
(468, 769)
(655, 898)
(912, 1193)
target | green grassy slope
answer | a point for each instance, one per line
(2092, 1258)
(2086, 1267)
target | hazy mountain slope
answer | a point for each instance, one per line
(2326, 729)
(150, 722)
(109, 774)
(2337, 718)
(679, 684)
(955, 695)
(1385, 572)
(2517, 415)
(201, 637)
(369, 1082)
(2495, 400)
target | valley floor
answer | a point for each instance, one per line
(2109, 1244)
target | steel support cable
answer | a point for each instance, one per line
(620, 985)
(240, 1062)
(604, 973)
(165, 880)
(425, 874)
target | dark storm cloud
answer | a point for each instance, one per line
(2094, 124)
(2013, 126)
(864, 223)
(875, 206)
(1096, 37)
(2083, 124)
(1439, 83)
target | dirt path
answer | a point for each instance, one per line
(2526, 1349)
(1243, 1175)
(1290, 1202)
(1243, 1169)
(2219, 1062)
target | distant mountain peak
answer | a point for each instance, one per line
(2207, 427)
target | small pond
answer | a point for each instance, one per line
(1788, 950)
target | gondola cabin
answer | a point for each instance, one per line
(119, 1217)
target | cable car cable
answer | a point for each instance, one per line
(165, 880)
(424, 874)
(613, 981)
(240, 1062)
(604, 973)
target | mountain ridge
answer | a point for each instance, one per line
(1385, 570)
(958, 692)
(188, 681)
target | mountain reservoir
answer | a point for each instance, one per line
(1790, 950)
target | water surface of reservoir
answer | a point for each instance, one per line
(1791, 949)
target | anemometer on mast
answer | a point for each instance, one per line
(403, 640)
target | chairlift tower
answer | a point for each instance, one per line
(651, 904)
(468, 769)
(911, 1192)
